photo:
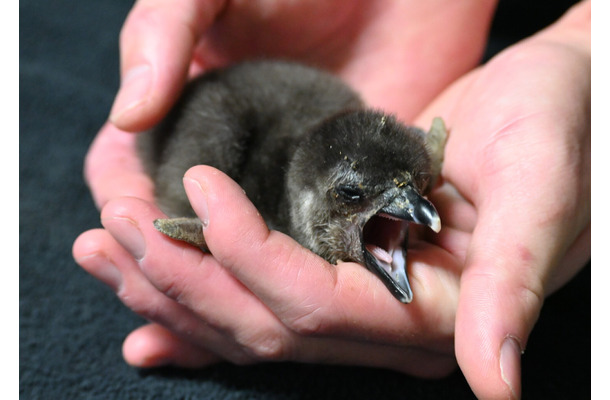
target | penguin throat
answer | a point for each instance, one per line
(384, 238)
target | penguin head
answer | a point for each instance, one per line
(354, 185)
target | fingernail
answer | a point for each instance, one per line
(134, 90)
(103, 269)
(510, 365)
(198, 199)
(127, 233)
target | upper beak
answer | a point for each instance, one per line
(411, 206)
(408, 205)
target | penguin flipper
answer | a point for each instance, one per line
(436, 139)
(188, 230)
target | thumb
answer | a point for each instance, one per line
(156, 45)
(508, 267)
(498, 307)
(524, 229)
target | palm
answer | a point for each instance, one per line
(514, 102)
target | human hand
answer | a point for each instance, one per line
(519, 150)
(260, 296)
(164, 42)
(382, 48)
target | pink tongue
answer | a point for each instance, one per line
(379, 253)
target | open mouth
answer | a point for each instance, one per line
(385, 237)
(384, 243)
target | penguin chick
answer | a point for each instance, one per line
(342, 180)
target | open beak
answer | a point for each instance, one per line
(388, 257)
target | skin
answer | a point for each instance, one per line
(517, 166)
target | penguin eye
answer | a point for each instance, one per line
(350, 194)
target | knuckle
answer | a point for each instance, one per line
(240, 357)
(310, 323)
(270, 345)
(532, 292)
(150, 308)
(241, 360)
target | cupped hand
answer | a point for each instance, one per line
(399, 55)
(260, 296)
(381, 48)
(519, 150)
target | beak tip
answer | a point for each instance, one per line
(407, 298)
(435, 225)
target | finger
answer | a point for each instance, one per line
(99, 254)
(516, 246)
(247, 329)
(458, 218)
(157, 43)
(87, 252)
(309, 295)
(455, 211)
(112, 168)
(153, 345)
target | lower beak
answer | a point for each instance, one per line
(394, 277)
(409, 206)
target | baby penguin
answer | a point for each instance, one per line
(341, 179)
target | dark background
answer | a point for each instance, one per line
(72, 326)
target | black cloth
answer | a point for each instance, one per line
(72, 326)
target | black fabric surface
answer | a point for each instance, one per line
(72, 326)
